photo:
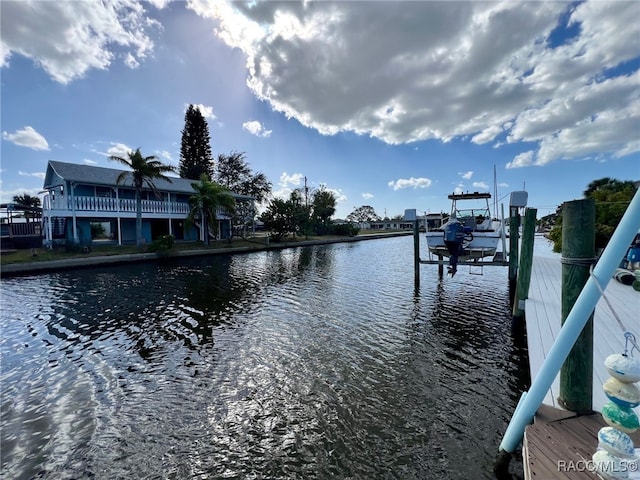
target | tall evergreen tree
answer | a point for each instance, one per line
(195, 148)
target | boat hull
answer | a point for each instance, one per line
(483, 244)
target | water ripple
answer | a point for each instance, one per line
(306, 363)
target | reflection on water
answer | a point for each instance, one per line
(315, 362)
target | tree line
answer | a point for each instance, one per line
(305, 211)
(611, 197)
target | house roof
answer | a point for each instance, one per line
(60, 172)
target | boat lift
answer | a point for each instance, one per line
(476, 259)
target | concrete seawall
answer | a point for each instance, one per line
(13, 269)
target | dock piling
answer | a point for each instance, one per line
(514, 233)
(416, 254)
(523, 278)
(578, 254)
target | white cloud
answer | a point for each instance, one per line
(444, 70)
(205, 110)
(27, 137)
(159, 3)
(39, 175)
(467, 175)
(69, 38)
(459, 188)
(255, 128)
(487, 134)
(410, 183)
(337, 193)
(164, 154)
(294, 179)
(287, 184)
(118, 150)
(131, 61)
(480, 185)
(522, 160)
(88, 161)
(367, 196)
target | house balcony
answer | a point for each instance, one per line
(110, 207)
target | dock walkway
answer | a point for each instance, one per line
(560, 444)
(543, 311)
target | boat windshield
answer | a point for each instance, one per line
(474, 218)
(477, 213)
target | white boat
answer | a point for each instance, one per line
(470, 232)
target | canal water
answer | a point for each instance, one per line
(315, 362)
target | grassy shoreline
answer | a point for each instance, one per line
(40, 259)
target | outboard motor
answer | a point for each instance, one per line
(453, 238)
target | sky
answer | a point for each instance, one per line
(389, 104)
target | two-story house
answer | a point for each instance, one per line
(83, 199)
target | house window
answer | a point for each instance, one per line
(103, 192)
(127, 193)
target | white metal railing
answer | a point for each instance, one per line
(106, 204)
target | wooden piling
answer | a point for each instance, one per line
(578, 252)
(514, 229)
(526, 261)
(416, 254)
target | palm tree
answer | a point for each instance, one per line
(144, 171)
(207, 198)
(26, 200)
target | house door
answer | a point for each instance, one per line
(158, 228)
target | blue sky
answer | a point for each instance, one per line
(388, 104)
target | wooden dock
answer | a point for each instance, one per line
(560, 444)
(543, 311)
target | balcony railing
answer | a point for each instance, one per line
(106, 204)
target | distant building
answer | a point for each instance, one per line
(430, 221)
(433, 221)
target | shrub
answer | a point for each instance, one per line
(345, 229)
(162, 244)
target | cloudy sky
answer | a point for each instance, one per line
(388, 104)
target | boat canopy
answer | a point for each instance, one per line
(469, 196)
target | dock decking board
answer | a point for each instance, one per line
(552, 448)
(543, 312)
(550, 441)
